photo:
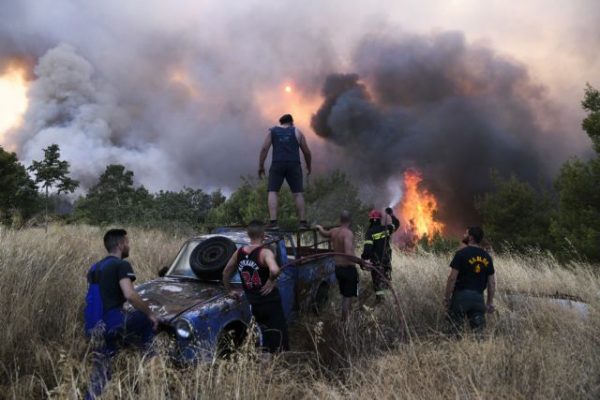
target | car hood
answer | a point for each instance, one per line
(169, 297)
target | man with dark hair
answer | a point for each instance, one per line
(377, 249)
(287, 141)
(342, 241)
(472, 271)
(258, 272)
(110, 285)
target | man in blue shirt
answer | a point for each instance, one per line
(110, 285)
(287, 141)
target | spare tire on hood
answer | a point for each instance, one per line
(209, 257)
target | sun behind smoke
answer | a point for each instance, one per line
(274, 102)
(13, 99)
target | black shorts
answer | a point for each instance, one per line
(290, 171)
(271, 320)
(347, 277)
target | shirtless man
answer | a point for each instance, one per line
(342, 241)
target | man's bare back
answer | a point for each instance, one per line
(342, 241)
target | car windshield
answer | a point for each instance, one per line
(181, 266)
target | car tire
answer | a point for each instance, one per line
(209, 257)
(231, 339)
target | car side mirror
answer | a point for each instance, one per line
(163, 271)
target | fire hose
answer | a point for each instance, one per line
(364, 265)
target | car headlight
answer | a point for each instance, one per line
(184, 329)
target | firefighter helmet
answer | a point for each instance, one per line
(374, 214)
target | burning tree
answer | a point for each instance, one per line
(417, 211)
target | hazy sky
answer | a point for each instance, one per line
(172, 89)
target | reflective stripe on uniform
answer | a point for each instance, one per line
(379, 235)
(368, 242)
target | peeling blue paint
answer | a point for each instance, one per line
(209, 309)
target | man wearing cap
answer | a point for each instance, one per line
(378, 251)
(287, 141)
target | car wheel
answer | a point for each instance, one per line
(209, 257)
(231, 339)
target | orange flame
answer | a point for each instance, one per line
(418, 208)
(13, 98)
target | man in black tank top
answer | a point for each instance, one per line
(287, 141)
(472, 272)
(259, 271)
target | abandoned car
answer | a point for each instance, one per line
(195, 310)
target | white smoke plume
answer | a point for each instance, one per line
(182, 93)
(70, 108)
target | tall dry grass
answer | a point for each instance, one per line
(536, 351)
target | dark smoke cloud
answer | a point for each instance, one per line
(102, 89)
(452, 110)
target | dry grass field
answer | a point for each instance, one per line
(532, 351)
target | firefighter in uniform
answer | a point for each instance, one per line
(378, 251)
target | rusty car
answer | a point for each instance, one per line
(202, 319)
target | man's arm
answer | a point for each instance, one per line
(305, 151)
(136, 301)
(392, 222)
(274, 271)
(228, 272)
(324, 232)
(263, 155)
(450, 286)
(491, 291)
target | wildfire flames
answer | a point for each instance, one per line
(13, 98)
(417, 208)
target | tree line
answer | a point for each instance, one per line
(564, 219)
(115, 198)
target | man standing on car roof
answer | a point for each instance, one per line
(377, 249)
(342, 241)
(110, 285)
(472, 271)
(259, 271)
(287, 141)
